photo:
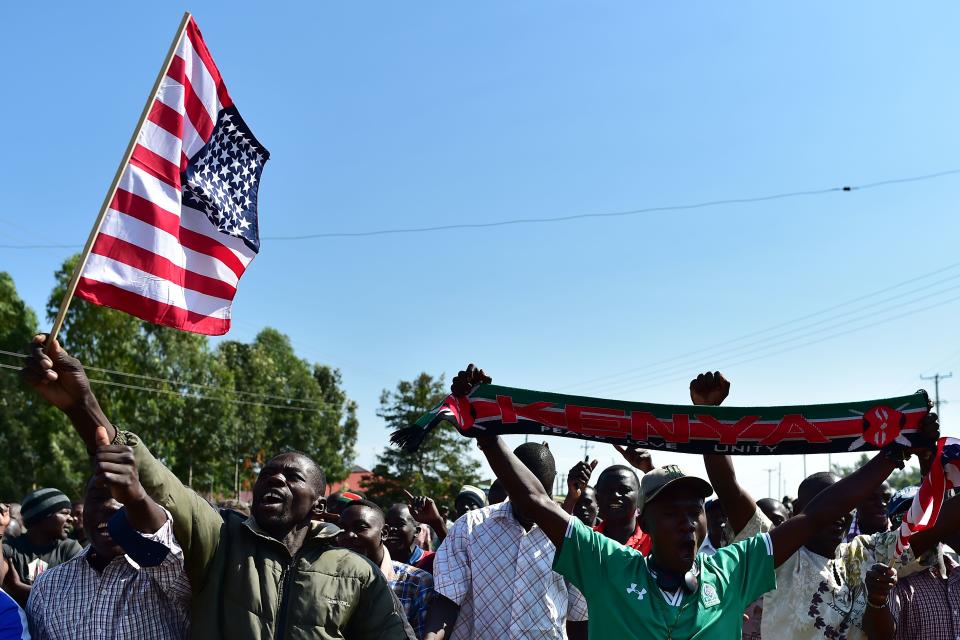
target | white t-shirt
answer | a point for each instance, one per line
(818, 597)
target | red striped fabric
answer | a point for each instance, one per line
(925, 508)
(154, 258)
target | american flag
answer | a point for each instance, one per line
(182, 226)
(923, 512)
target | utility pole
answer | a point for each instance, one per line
(937, 377)
(769, 481)
(779, 481)
(586, 450)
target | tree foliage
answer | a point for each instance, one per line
(441, 465)
(205, 411)
(40, 452)
(909, 476)
(322, 423)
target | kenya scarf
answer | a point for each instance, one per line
(824, 428)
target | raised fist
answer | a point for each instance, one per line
(709, 389)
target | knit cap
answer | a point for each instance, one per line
(41, 503)
(474, 494)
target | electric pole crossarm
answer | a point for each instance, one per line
(937, 377)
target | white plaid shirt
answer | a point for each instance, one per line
(503, 579)
(73, 601)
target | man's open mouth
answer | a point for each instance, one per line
(272, 497)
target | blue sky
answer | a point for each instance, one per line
(386, 115)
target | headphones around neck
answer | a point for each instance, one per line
(671, 581)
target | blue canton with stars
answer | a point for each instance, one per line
(221, 180)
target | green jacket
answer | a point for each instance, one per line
(246, 585)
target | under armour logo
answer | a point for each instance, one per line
(640, 592)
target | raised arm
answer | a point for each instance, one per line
(522, 486)
(61, 380)
(577, 481)
(638, 457)
(424, 510)
(840, 498)
(711, 389)
(115, 467)
(948, 522)
(524, 489)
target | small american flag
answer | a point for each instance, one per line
(923, 512)
(182, 226)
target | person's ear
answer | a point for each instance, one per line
(319, 509)
(384, 530)
(416, 530)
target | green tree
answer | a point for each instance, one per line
(441, 465)
(175, 418)
(909, 476)
(46, 453)
(198, 408)
(321, 422)
(201, 409)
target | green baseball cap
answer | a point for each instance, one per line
(662, 477)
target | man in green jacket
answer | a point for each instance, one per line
(273, 575)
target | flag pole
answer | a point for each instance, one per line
(82, 262)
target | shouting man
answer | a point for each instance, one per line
(274, 574)
(676, 593)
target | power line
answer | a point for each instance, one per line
(196, 385)
(806, 344)
(614, 214)
(567, 218)
(712, 351)
(193, 396)
(787, 336)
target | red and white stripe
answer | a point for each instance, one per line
(926, 505)
(153, 257)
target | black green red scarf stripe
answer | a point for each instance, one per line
(823, 428)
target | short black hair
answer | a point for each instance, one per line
(404, 509)
(370, 504)
(772, 505)
(618, 468)
(319, 477)
(539, 460)
(814, 484)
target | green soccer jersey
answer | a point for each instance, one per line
(625, 602)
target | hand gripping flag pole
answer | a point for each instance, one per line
(112, 191)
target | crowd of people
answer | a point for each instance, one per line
(633, 551)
